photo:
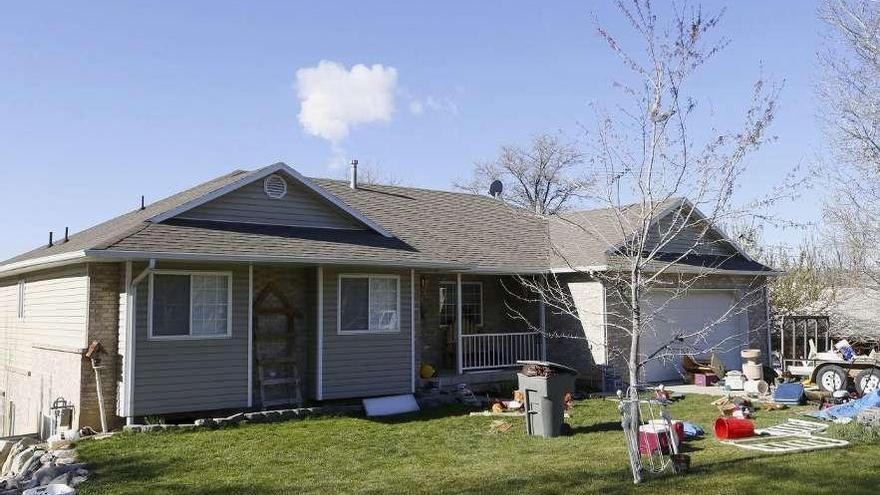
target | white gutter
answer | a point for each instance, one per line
(125, 255)
(130, 337)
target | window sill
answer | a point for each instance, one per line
(367, 332)
(171, 338)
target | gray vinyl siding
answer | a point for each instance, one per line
(690, 238)
(299, 208)
(365, 365)
(173, 376)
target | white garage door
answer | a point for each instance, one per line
(686, 314)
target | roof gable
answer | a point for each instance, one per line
(306, 204)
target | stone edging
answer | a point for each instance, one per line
(252, 417)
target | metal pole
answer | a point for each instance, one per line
(100, 396)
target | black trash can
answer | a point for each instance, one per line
(544, 385)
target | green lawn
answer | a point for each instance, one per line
(444, 452)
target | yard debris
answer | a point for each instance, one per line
(499, 426)
(34, 468)
(793, 427)
(850, 409)
(787, 444)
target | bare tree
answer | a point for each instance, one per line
(850, 91)
(539, 177)
(666, 184)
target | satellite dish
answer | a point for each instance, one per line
(496, 188)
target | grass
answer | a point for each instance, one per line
(444, 452)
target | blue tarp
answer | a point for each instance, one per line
(850, 409)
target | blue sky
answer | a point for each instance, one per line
(101, 102)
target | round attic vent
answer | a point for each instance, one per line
(275, 186)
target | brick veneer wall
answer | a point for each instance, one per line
(103, 326)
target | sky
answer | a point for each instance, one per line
(102, 102)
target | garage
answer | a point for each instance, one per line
(685, 314)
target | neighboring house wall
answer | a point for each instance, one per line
(192, 375)
(249, 204)
(364, 365)
(40, 353)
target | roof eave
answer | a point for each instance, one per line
(43, 262)
(123, 255)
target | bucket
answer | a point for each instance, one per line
(758, 387)
(733, 428)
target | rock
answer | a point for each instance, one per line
(31, 465)
(5, 449)
(62, 479)
(288, 414)
(235, 418)
(152, 428)
(205, 422)
(255, 417)
(133, 428)
(47, 474)
(16, 449)
(186, 427)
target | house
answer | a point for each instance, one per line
(233, 293)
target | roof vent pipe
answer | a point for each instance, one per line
(66, 232)
(50, 238)
(354, 174)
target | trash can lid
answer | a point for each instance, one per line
(551, 365)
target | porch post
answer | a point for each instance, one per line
(542, 321)
(250, 337)
(319, 378)
(458, 349)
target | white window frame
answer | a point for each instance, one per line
(22, 288)
(190, 336)
(342, 276)
(463, 283)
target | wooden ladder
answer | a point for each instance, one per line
(275, 348)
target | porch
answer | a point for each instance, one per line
(468, 326)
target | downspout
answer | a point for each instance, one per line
(130, 338)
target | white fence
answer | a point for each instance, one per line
(499, 350)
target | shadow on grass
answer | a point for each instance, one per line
(456, 410)
(596, 428)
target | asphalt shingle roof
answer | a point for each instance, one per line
(429, 227)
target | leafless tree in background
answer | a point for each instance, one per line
(850, 91)
(651, 152)
(540, 177)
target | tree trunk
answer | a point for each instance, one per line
(633, 367)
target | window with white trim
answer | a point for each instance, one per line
(369, 303)
(20, 307)
(471, 303)
(190, 305)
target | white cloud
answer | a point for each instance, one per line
(416, 107)
(334, 100)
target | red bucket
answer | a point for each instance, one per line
(733, 428)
